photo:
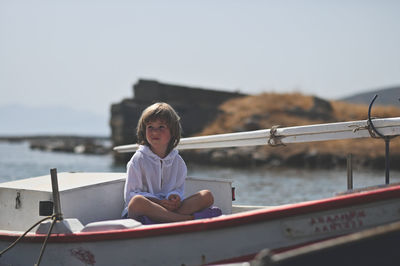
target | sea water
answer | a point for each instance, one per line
(254, 186)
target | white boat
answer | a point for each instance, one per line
(91, 232)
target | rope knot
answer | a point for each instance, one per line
(275, 140)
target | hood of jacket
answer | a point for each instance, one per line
(167, 160)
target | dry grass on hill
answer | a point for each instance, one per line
(269, 109)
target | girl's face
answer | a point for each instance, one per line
(158, 136)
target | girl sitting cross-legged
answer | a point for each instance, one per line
(156, 173)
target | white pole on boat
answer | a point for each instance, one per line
(56, 194)
(278, 136)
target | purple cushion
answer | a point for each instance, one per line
(210, 212)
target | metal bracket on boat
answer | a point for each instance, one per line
(376, 134)
(273, 139)
(18, 201)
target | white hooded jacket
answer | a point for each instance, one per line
(154, 177)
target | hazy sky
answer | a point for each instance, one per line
(88, 54)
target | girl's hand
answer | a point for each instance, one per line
(172, 203)
(167, 204)
(174, 198)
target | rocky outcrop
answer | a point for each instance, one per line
(269, 109)
(71, 145)
(207, 113)
(305, 159)
(196, 106)
(65, 143)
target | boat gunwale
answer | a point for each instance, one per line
(222, 222)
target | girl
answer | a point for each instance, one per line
(156, 173)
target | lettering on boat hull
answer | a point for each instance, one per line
(341, 221)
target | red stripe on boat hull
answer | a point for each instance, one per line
(223, 221)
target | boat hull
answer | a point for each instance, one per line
(228, 238)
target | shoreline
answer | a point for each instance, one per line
(28, 137)
(253, 157)
(237, 158)
(64, 143)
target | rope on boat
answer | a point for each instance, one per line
(55, 219)
(273, 139)
(369, 128)
(24, 234)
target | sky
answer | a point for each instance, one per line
(87, 55)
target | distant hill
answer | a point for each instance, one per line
(294, 109)
(20, 120)
(389, 96)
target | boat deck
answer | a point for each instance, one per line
(88, 197)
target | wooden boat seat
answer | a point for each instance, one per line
(111, 225)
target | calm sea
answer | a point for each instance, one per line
(253, 186)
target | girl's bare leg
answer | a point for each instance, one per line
(140, 205)
(197, 202)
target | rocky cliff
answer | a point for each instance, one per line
(197, 107)
(205, 112)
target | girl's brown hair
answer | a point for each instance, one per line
(165, 113)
